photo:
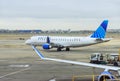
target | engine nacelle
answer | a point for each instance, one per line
(105, 75)
(46, 46)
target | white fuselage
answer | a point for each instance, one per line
(56, 41)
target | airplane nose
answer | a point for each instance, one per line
(28, 42)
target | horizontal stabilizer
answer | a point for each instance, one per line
(103, 40)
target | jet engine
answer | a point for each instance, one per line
(46, 46)
(105, 75)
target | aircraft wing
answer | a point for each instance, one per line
(77, 63)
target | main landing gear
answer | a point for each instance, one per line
(59, 49)
(67, 49)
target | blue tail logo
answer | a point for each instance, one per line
(101, 30)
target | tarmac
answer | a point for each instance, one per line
(18, 62)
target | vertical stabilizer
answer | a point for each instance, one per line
(101, 30)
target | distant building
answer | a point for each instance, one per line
(29, 31)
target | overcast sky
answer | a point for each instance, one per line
(58, 14)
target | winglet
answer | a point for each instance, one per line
(38, 52)
(101, 30)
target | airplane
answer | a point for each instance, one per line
(106, 74)
(60, 42)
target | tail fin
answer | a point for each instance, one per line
(101, 30)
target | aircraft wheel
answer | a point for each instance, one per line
(58, 49)
(67, 49)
